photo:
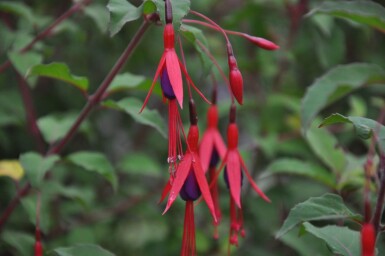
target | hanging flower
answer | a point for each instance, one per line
(212, 149)
(234, 168)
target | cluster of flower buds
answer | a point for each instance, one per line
(188, 168)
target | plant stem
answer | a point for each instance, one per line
(47, 31)
(31, 114)
(92, 101)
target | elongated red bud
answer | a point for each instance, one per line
(236, 80)
(261, 42)
(368, 239)
(38, 249)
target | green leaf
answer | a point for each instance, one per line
(121, 12)
(148, 117)
(17, 8)
(194, 35)
(364, 127)
(36, 166)
(180, 8)
(335, 84)
(22, 242)
(24, 61)
(61, 72)
(82, 250)
(325, 207)
(99, 14)
(125, 81)
(140, 164)
(364, 12)
(55, 126)
(299, 167)
(95, 162)
(324, 145)
(341, 240)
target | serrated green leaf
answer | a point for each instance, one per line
(24, 61)
(364, 127)
(335, 84)
(125, 81)
(132, 107)
(194, 35)
(364, 12)
(61, 72)
(36, 166)
(22, 242)
(180, 8)
(324, 145)
(341, 240)
(325, 207)
(299, 167)
(82, 250)
(95, 162)
(99, 14)
(121, 12)
(55, 126)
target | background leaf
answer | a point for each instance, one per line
(364, 12)
(364, 127)
(95, 162)
(341, 240)
(299, 167)
(12, 169)
(24, 61)
(326, 207)
(125, 81)
(121, 12)
(36, 166)
(335, 84)
(82, 250)
(61, 72)
(22, 242)
(132, 106)
(180, 8)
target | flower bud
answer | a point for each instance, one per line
(368, 239)
(236, 80)
(261, 42)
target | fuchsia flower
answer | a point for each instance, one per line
(234, 167)
(368, 240)
(190, 183)
(212, 149)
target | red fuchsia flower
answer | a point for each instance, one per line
(212, 149)
(234, 168)
(368, 239)
(190, 183)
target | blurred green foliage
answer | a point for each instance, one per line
(290, 157)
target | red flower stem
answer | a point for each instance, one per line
(31, 114)
(92, 101)
(213, 60)
(213, 27)
(229, 48)
(47, 31)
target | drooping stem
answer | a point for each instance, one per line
(48, 30)
(30, 114)
(92, 101)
